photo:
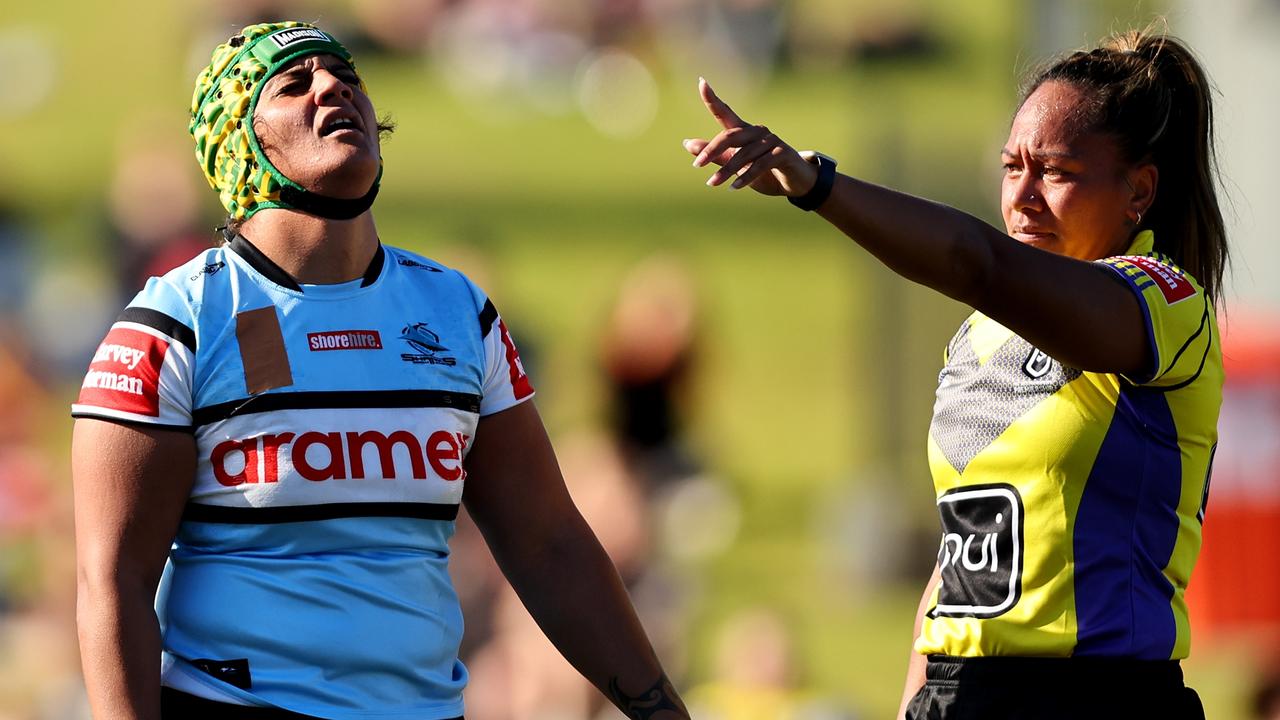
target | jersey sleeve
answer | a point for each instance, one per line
(505, 383)
(1177, 314)
(142, 372)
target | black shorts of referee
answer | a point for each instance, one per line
(1012, 688)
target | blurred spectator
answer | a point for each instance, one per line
(756, 675)
(398, 26)
(648, 350)
(153, 209)
(1266, 697)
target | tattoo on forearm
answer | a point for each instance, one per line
(662, 696)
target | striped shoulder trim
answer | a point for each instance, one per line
(336, 400)
(160, 322)
(487, 315)
(199, 512)
(98, 414)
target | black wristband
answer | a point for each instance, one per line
(821, 189)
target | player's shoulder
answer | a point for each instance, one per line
(1154, 274)
(418, 267)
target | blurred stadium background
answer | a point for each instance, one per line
(739, 396)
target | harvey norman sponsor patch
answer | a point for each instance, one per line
(344, 340)
(1172, 284)
(125, 373)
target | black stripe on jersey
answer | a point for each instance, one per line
(1207, 346)
(199, 512)
(487, 316)
(90, 415)
(263, 264)
(157, 320)
(372, 272)
(1204, 322)
(336, 400)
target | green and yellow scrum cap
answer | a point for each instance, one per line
(222, 108)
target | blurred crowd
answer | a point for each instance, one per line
(659, 509)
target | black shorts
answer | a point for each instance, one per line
(1008, 688)
(177, 705)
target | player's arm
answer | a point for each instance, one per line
(130, 485)
(1078, 312)
(915, 661)
(517, 496)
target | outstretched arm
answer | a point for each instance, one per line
(517, 496)
(1077, 312)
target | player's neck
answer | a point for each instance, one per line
(314, 250)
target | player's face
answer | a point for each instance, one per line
(1064, 191)
(318, 128)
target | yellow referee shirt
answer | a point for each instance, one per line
(1071, 501)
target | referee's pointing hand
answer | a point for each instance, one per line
(755, 155)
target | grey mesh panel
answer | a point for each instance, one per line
(977, 403)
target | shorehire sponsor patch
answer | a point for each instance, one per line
(344, 340)
(125, 373)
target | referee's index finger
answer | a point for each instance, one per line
(719, 109)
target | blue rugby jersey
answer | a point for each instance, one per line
(331, 422)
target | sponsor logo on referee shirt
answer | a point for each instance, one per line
(1172, 283)
(344, 340)
(981, 551)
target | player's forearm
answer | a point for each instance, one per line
(572, 590)
(119, 649)
(929, 243)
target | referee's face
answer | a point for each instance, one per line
(1067, 191)
(318, 127)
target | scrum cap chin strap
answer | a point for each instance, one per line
(222, 107)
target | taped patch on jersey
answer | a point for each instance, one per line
(266, 364)
(520, 385)
(1171, 283)
(125, 373)
(980, 556)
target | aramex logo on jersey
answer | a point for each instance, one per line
(320, 456)
(1173, 285)
(125, 373)
(981, 551)
(344, 340)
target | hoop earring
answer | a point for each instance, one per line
(1139, 220)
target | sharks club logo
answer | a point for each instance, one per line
(427, 345)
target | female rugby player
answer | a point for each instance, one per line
(283, 429)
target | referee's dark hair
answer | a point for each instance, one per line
(1147, 90)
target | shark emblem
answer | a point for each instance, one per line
(422, 338)
(427, 344)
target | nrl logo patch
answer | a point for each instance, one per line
(427, 343)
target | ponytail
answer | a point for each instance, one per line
(1150, 93)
